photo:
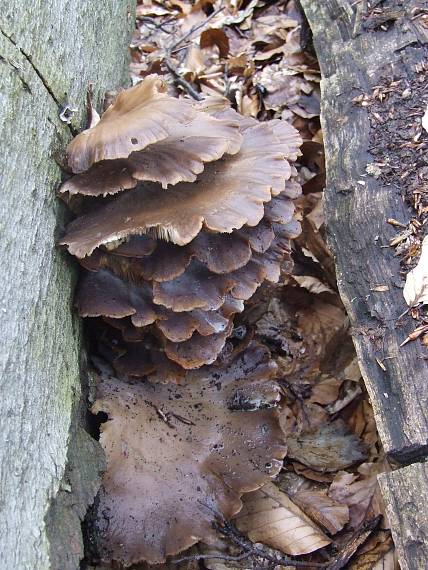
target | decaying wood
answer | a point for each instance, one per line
(406, 497)
(356, 50)
(49, 53)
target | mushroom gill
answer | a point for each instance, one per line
(177, 454)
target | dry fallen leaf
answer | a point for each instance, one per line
(270, 516)
(329, 448)
(416, 287)
(323, 509)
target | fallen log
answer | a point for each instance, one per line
(359, 50)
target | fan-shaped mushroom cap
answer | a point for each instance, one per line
(289, 136)
(140, 116)
(280, 209)
(229, 194)
(196, 288)
(198, 350)
(259, 238)
(178, 327)
(178, 158)
(101, 293)
(176, 455)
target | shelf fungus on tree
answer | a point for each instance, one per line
(179, 454)
(184, 209)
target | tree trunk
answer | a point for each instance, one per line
(50, 51)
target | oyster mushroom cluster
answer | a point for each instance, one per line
(184, 210)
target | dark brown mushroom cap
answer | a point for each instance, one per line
(259, 238)
(178, 158)
(280, 209)
(176, 455)
(220, 253)
(178, 327)
(196, 288)
(140, 116)
(229, 194)
(198, 350)
(101, 293)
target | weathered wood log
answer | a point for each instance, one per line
(406, 498)
(358, 48)
(49, 53)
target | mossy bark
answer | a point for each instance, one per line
(50, 51)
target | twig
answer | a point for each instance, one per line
(194, 29)
(151, 22)
(209, 556)
(180, 81)
(228, 530)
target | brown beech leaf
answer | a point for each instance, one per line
(217, 37)
(141, 115)
(329, 448)
(176, 455)
(229, 194)
(179, 157)
(270, 516)
(356, 491)
(323, 509)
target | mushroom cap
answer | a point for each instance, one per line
(101, 293)
(140, 116)
(179, 157)
(230, 193)
(176, 455)
(198, 350)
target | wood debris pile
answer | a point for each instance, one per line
(289, 359)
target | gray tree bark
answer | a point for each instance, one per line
(50, 50)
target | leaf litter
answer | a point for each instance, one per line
(324, 508)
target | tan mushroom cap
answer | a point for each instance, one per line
(140, 116)
(178, 454)
(228, 194)
(180, 157)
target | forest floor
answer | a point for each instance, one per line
(325, 507)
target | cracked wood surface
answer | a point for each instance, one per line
(352, 59)
(405, 493)
(49, 53)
